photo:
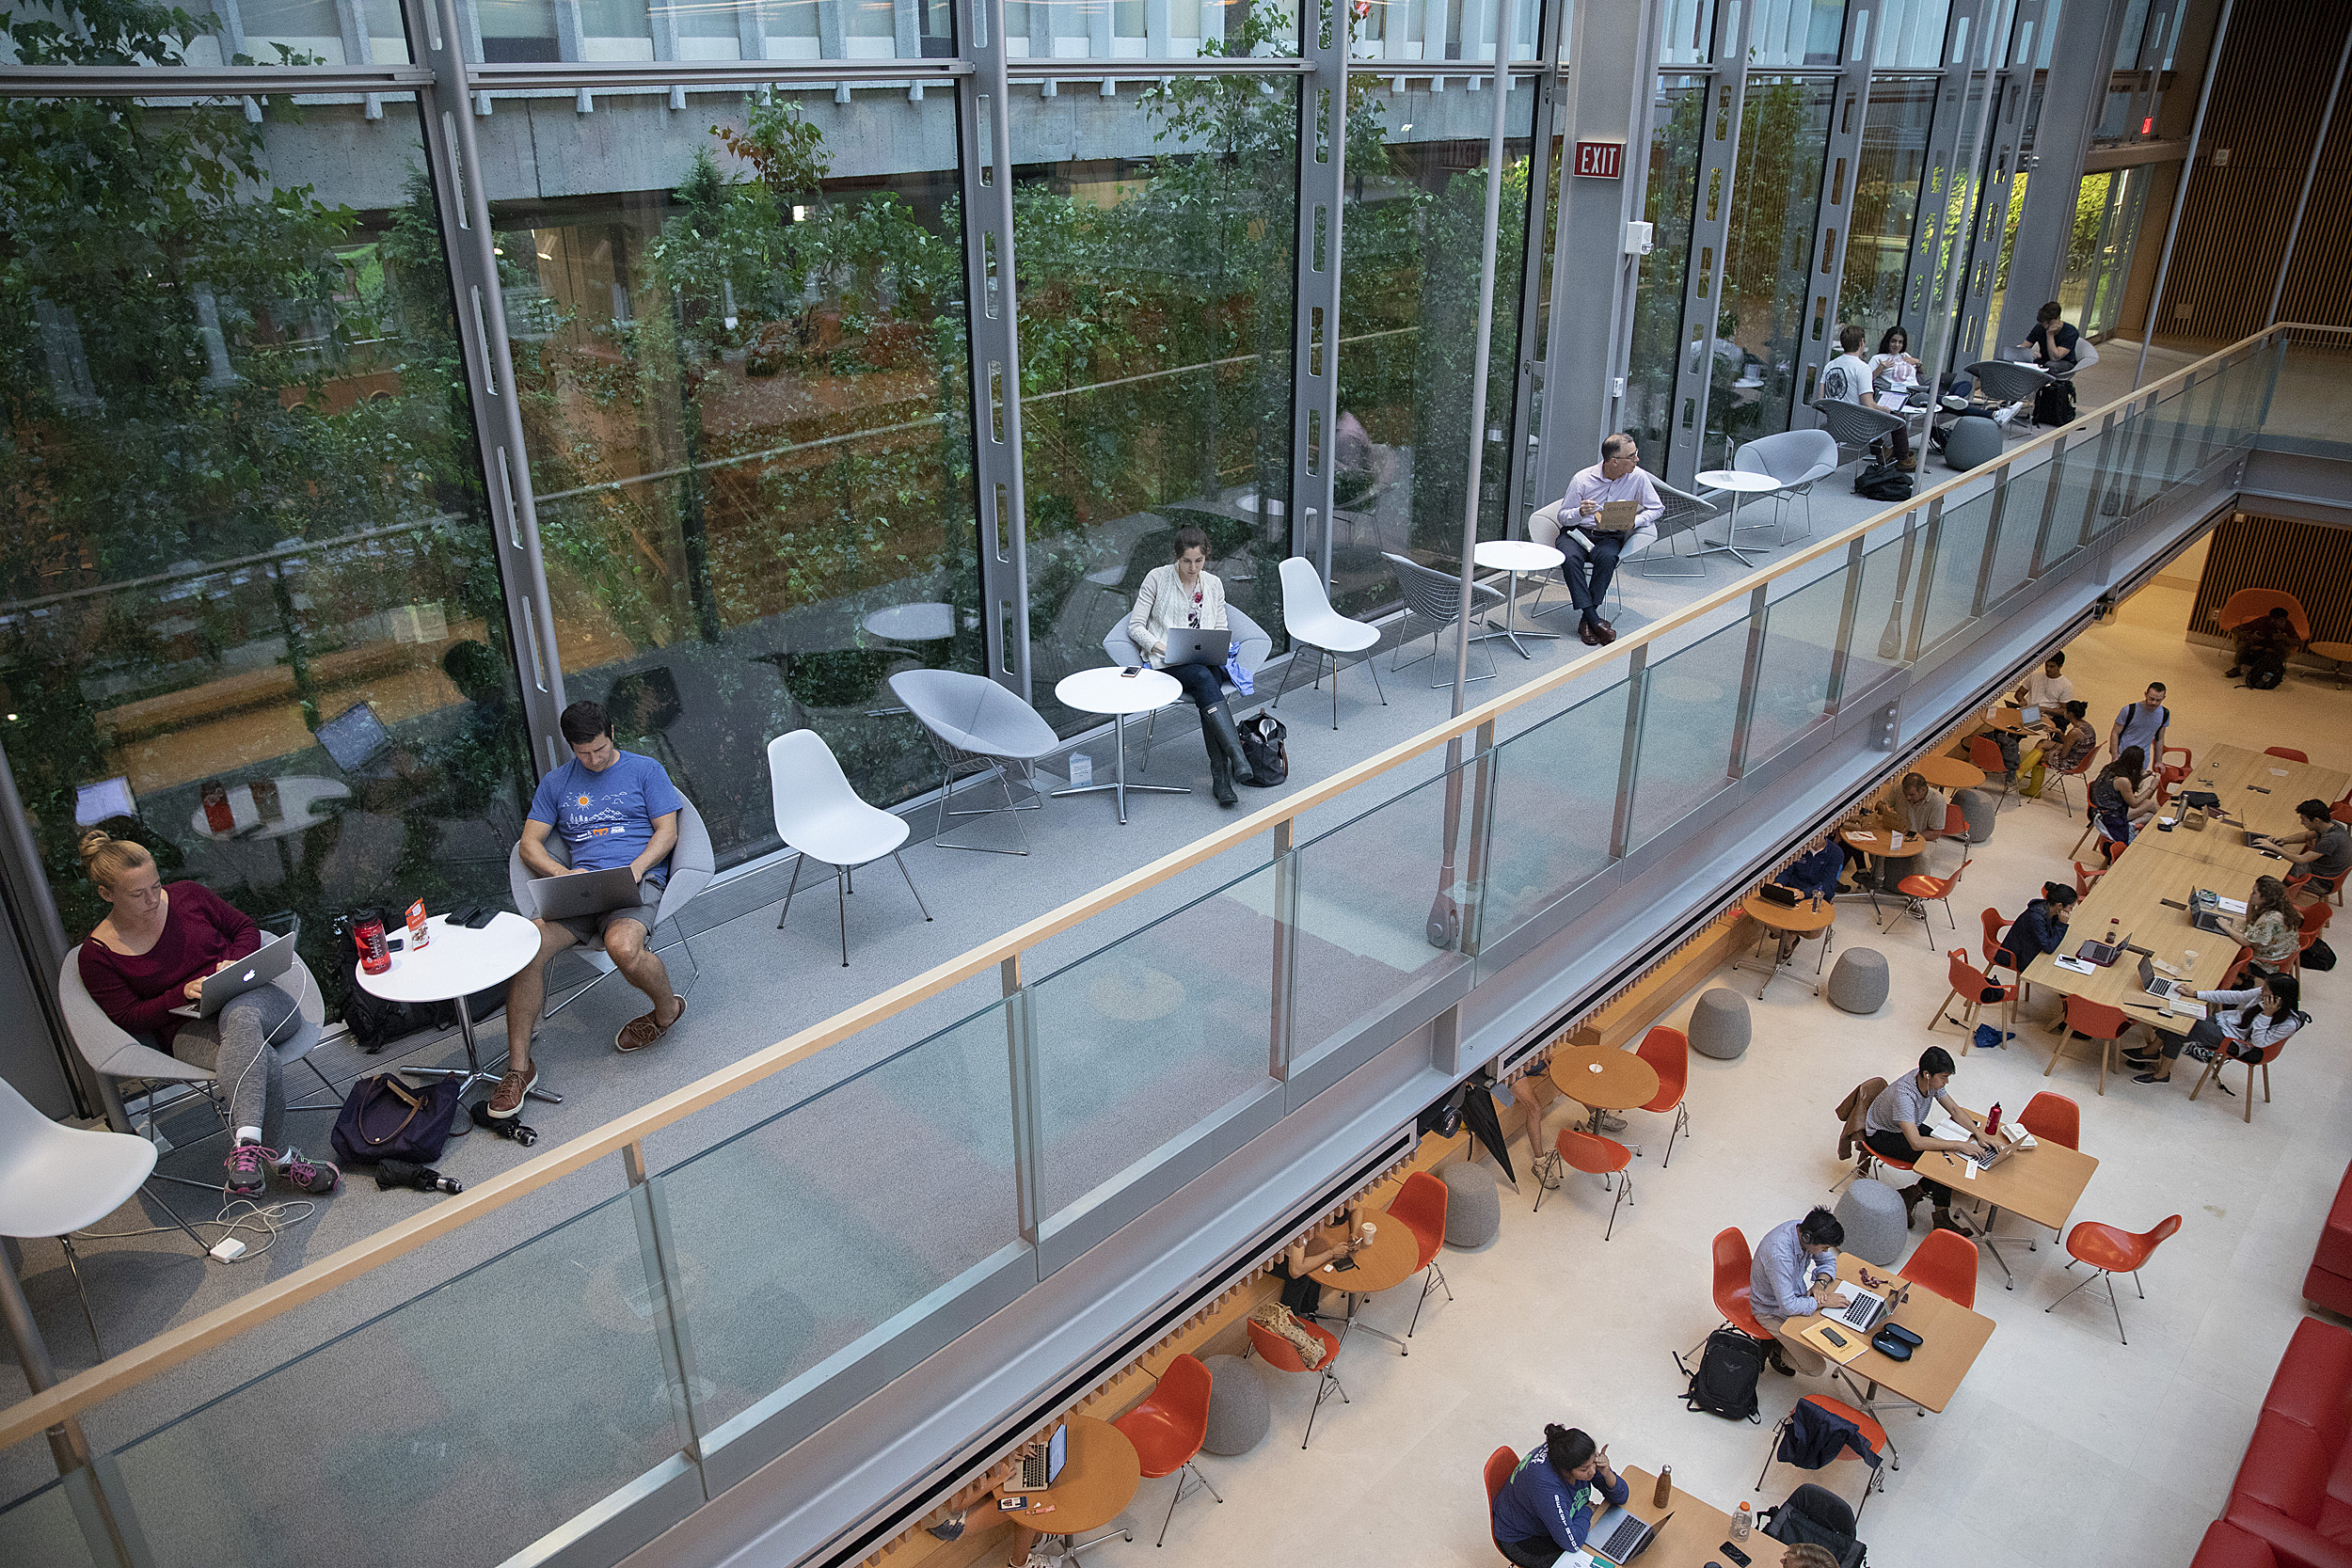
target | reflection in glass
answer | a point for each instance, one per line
(243, 501)
(1416, 207)
(1886, 185)
(1156, 342)
(1910, 35)
(2099, 251)
(1690, 713)
(1760, 322)
(1671, 200)
(744, 400)
(1796, 32)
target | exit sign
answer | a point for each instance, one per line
(1600, 160)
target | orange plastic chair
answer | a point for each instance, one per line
(1995, 926)
(2094, 1021)
(1597, 1156)
(1945, 1262)
(1921, 889)
(2188, 759)
(1168, 1427)
(2288, 752)
(2213, 1069)
(1735, 1265)
(1280, 1354)
(1668, 1053)
(1969, 984)
(2085, 878)
(1872, 1434)
(2252, 604)
(1500, 1464)
(1420, 1208)
(2341, 811)
(2059, 776)
(2110, 1251)
(2054, 1117)
(1984, 753)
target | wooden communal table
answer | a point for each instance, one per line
(1952, 1336)
(2240, 775)
(2041, 1184)
(1691, 1539)
(1098, 1481)
(2133, 892)
(1804, 918)
(1392, 1259)
(1949, 772)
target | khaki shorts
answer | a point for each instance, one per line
(590, 927)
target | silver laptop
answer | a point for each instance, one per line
(1041, 1462)
(2159, 986)
(2031, 714)
(1863, 1313)
(1618, 1536)
(1196, 645)
(259, 967)
(586, 892)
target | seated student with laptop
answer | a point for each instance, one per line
(1182, 596)
(2322, 849)
(1793, 1275)
(617, 811)
(1545, 1510)
(1895, 1128)
(149, 963)
(2237, 1025)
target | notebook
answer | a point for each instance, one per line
(1617, 518)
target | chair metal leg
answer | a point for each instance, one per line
(1769, 1450)
(1189, 1470)
(1432, 1279)
(910, 887)
(1324, 1390)
(1624, 1185)
(841, 906)
(1291, 666)
(797, 862)
(73, 1266)
(1680, 1129)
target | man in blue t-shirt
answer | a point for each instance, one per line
(612, 808)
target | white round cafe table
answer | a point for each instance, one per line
(297, 797)
(454, 963)
(1742, 483)
(913, 623)
(1514, 555)
(1117, 693)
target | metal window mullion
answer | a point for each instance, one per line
(1944, 159)
(1286, 954)
(1322, 193)
(1751, 670)
(1027, 1104)
(1519, 443)
(1833, 226)
(463, 202)
(1727, 103)
(2005, 121)
(986, 174)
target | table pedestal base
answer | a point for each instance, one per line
(1730, 546)
(1119, 784)
(1509, 632)
(472, 1072)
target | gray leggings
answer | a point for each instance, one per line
(234, 1043)
(2205, 1032)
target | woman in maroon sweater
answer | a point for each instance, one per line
(153, 953)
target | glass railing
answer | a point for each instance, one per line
(681, 1322)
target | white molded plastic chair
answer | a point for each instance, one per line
(821, 816)
(113, 1052)
(1315, 625)
(1799, 459)
(977, 726)
(693, 864)
(55, 1179)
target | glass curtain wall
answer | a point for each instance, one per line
(1670, 199)
(1409, 300)
(252, 616)
(745, 396)
(2099, 252)
(1887, 178)
(1775, 199)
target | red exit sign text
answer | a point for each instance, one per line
(1600, 160)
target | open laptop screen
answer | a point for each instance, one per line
(353, 737)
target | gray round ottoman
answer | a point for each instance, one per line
(1719, 1025)
(1857, 982)
(1977, 807)
(1239, 1411)
(1971, 442)
(1876, 1225)
(1473, 1204)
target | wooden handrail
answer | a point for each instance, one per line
(29, 1416)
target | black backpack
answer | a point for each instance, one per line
(2265, 669)
(1817, 1516)
(1261, 742)
(1724, 1385)
(1883, 481)
(2054, 403)
(2319, 956)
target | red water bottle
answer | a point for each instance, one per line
(219, 815)
(1992, 1120)
(367, 934)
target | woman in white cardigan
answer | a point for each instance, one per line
(1186, 594)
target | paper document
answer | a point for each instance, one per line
(1968, 1169)
(2278, 772)
(2187, 1006)
(2074, 965)
(2229, 906)
(1895, 841)
(1814, 1333)
(1950, 1130)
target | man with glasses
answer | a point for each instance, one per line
(1588, 538)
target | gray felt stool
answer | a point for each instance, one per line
(1473, 1205)
(1877, 1225)
(1971, 441)
(1977, 807)
(1719, 1025)
(1857, 982)
(1239, 1410)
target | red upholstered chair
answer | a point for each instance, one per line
(2282, 1495)
(1167, 1428)
(2095, 1022)
(1668, 1053)
(2054, 1117)
(2288, 752)
(1278, 1354)
(2268, 1054)
(1872, 1434)
(1945, 1262)
(1922, 889)
(2226, 1545)
(1420, 1208)
(1597, 1156)
(1984, 753)
(1972, 985)
(2109, 1252)
(1500, 1464)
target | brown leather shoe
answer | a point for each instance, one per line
(1608, 628)
(506, 1101)
(1584, 630)
(1605, 634)
(641, 1031)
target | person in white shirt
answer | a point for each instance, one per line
(1848, 380)
(1592, 553)
(1894, 376)
(1185, 594)
(2047, 688)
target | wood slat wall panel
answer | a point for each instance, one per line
(2267, 98)
(2312, 560)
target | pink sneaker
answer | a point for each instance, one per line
(247, 1164)
(306, 1175)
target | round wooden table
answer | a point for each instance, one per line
(1622, 1081)
(1802, 920)
(2009, 720)
(1950, 772)
(1392, 1259)
(1875, 843)
(1098, 1481)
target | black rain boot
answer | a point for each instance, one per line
(1216, 725)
